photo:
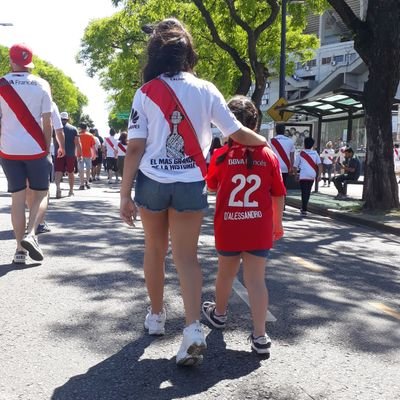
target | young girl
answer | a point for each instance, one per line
(248, 218)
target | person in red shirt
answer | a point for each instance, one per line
(248, 218)
(86, 154)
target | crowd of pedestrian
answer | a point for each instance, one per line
(166, 153)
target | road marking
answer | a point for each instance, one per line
(306, 264)
(242, 293)
(386, 309)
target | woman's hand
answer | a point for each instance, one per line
(127, 210)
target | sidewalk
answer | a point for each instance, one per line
(350, 210)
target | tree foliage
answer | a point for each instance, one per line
(65, 93)
(377, 41)
(238, 42)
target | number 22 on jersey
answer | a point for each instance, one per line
(240, 180)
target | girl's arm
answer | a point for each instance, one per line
(277, 213)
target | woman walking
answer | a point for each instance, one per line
(169, 137)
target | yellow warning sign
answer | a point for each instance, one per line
(277, 115)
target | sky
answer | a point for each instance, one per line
(53, 29)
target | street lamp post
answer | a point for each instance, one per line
(282, 65)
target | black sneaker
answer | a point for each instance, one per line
(217, 321)
(82, 187)
(42, 228)
(87, 185)
(260, 344)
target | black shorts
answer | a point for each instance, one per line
(36, 172)
(111, 164)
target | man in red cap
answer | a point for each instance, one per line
(26, 128)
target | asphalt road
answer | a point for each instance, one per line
(72, 328)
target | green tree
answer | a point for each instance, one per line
(237, 41)
(377, 41)
(65, 93)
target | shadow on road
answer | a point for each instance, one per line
(130, 375)
(6, 268)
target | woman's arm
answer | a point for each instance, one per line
(134, 153)
(248, 137)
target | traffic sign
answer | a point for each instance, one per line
(277, 115)
(123, 115)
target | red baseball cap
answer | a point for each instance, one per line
(21, 55)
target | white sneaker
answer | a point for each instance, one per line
(193, 345)
(261, 344)
(30, 243)
(155, 323)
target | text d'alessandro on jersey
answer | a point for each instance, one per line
(235, 216)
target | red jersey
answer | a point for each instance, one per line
(243, 211)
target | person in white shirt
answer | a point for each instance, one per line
(396, 159)
(309, 165)
(111, 155)
(26, 129)
(122, 145)
(284, 149)
(169, 136)
(58, 136)
(327, 157)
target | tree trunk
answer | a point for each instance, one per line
(381, 52)
(244, 81)
(380, 187)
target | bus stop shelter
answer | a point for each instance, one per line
(338, 105)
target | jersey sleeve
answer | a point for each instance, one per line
(221, 115)
(47, 101)
(137, 128)
(277, 185)
(55, 117)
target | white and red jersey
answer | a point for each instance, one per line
(16, 142)
(340, 155)
(327, 156)
(243, 211)
(396, 154)
(307, 161)
(164, 159)
(287, 146)
(111, 145)
(121, 149)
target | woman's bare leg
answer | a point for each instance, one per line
(185, 231)
(155, 225)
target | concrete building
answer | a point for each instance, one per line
(336, 65)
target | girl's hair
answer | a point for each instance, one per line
(215, 144)
(123, 138)
(246, 112)
(169, 50)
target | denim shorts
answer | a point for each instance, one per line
(36, 172)
(84, 163)
(180, 196)
(258, 253)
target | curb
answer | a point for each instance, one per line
(345, 217)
